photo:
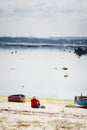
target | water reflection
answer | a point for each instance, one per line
(38, 71)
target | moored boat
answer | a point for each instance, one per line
(81, 100)
(17, 98)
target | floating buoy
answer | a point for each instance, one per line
(66, 75)
(65, 68)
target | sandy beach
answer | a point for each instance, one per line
(56, 116)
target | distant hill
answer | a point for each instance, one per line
(49, 40)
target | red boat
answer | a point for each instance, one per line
(17, 98)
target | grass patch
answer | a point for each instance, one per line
(64, 124)
(36, 123)
(23, 124)
(2, 119)
(3, 97)
(56, 101)
(26, 124)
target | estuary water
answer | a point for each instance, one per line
(40, 72)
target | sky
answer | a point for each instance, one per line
(43, 18)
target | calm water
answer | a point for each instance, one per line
(38, 71)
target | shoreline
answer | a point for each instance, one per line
(48, 100)
(56, 116)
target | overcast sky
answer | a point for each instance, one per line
(43, 18)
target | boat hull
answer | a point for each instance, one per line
(16, 98)
(81, 100)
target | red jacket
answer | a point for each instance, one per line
(34, 102)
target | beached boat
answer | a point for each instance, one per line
(81, 100)
(17, 98)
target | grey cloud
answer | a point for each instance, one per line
(39, 13)
(40, 8)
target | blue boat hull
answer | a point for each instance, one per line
(81, 102)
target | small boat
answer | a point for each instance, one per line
(17, 98)
(81, 100)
